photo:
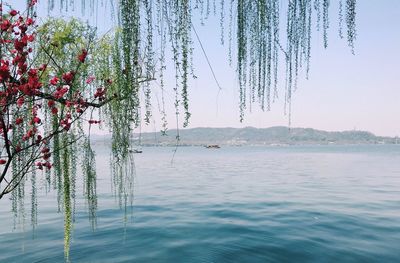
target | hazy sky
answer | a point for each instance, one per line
(344, 91)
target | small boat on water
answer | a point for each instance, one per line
(135, 151)
(212, 146)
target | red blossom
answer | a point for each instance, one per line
(19, 120)
(47, 165)
(54, 111)
(60, 92)
(18, 59)
(50, 103)
(34, 84)
(34, 110)
(17, 148)
(13, 12)
(29, 21)
(65, 124)
(32, 3)
(29, 134)
(32, 72)
(68, 77)
(24, 88)
(5, 25)
(90, 79)
(2, 161)
(37, 120)
(100, 92)
(20, 101)
(39, 139)
(23, 28)
(54, 81)
(82, 56)
(21, 43)
(94, 122)
(39, 165)
(22, 68)
(4, 70)
(43, 67)
(45, 150)
(31, 38)
(3, 102)
(46, 156)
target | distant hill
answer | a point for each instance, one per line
(254, 136)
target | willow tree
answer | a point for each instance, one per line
(260, 40)
(58, 77)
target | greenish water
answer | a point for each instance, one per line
(234, 204)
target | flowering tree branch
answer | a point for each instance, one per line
(40, 102)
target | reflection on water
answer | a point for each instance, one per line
(243, 204)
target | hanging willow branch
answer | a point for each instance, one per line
(258, 40)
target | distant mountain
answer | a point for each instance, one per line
(254, 136)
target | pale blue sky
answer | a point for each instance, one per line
(344, 92)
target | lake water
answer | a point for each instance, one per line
(234, 204)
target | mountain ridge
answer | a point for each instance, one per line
(277, 135)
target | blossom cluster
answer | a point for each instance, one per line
(28, 92)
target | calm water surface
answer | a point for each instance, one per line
(234, 204)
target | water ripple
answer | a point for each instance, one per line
(315, 204)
